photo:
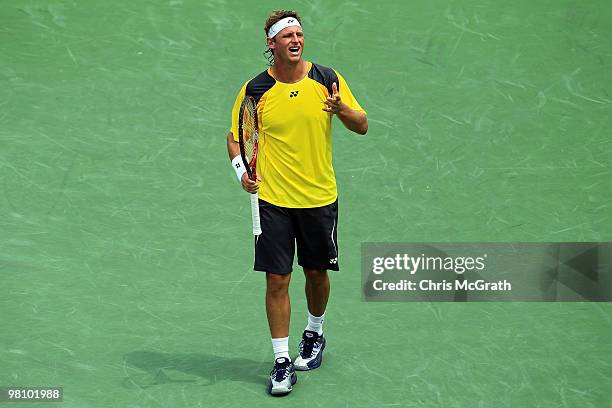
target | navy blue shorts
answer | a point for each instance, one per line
(314, 230)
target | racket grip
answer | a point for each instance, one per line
(255, 214)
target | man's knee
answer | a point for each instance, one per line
(278, 284)
(315, 275)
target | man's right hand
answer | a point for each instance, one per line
(249, 185)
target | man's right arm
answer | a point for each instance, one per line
(233, 150)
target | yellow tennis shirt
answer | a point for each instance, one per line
(295, 146)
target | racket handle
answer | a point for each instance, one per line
(255, 214)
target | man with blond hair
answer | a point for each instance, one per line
(298, 200)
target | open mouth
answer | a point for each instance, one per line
(294, 50)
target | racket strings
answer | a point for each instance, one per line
(249, 129)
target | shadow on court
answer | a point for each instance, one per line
(148, 369)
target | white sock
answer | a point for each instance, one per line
(281, 347)
(315, 323)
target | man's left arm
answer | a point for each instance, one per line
(352, 119)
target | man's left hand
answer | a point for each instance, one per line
(334, 103)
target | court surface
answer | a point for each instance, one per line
(125, 244)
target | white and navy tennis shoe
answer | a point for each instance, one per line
(311, 351)
(282, 377)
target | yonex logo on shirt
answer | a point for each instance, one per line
(294, 93)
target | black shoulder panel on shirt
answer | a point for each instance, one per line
(324, 75)
(259, 85)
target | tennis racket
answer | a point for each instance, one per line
(248, 138)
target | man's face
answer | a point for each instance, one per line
(288, 44)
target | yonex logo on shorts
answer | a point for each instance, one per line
(294, 93)
(333, 261)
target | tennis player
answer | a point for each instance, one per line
(296, 100)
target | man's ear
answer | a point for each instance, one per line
(270, 43)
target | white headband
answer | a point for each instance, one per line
(282, 24)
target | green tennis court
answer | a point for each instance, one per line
(125, 239)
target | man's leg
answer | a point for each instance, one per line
(313, 341)
(317, 290)
(278, 309)
(317, 253)
(278, 306)
(274, 250)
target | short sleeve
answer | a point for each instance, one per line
(236, 111)
(346, 95)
